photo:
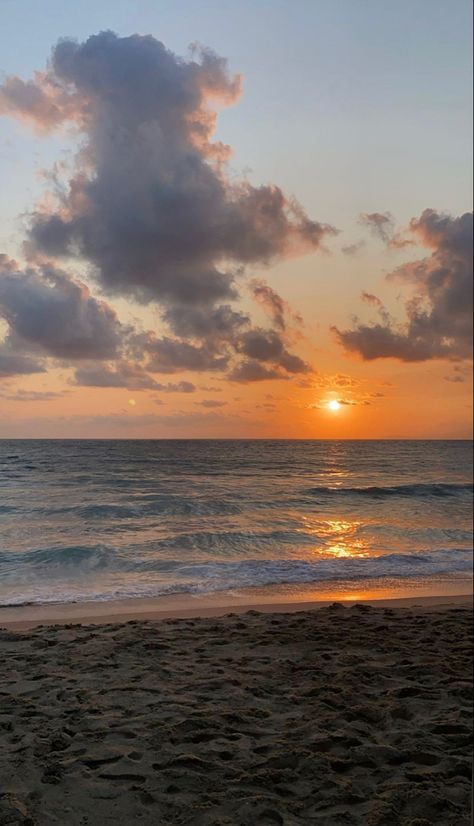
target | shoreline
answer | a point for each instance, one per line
(267, 600)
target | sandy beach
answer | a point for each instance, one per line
(351, 714)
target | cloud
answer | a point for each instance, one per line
(456, 379)
(459, 375)
(439, 313)
(216, 351)
(151, 209)
(331, 380)
(150, 205)
(267, 345)
(210, 403)
(14, 362)
(353, 249)
(178, 387)
(126, 374)
(220, 323)
(43, 306)
(172, 355)
(353, 402)
(123, 374)
(272, 303)
(380, 224)
(251, 370)
(375, 301)
(345, 402)
(32, 396)
(178, 421)
(375, 341)
(264, 345)
(39, 101)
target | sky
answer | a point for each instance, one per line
(235, 220)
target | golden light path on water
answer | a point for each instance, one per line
(340, 536)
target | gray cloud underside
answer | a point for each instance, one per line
(252, 371)
(172, 355)
(55, 314)
(150, 207)
(268, 345)
(439, 314)
(127, 375)
(14, 363)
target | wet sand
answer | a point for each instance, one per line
(343, 715)
(268, 599)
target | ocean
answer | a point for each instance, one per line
(100, 520)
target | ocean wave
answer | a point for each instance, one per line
(172, 577)
(103, 557)
(158, 506)
(268, 572)
(380, 491)
(61, 560)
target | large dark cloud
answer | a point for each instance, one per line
(439, 312)
(173, 355)
(150, 205)
(151, 208)
(14, 363)
(219, 324)
(268, 345)
(251, 370)
(56, 314)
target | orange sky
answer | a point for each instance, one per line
(140, 239)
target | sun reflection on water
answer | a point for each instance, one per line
(339, 537)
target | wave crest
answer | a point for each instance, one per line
(381, 492)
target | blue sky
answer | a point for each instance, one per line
(350, 104)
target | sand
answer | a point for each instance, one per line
(344, 715)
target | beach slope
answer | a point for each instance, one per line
(344, 715)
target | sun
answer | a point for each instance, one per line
(334, 405)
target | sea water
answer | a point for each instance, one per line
(99, 520)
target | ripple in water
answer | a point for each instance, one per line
(102, 519)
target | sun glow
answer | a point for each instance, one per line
(336, 537)
(334, 405)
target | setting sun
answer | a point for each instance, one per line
(334, 405)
